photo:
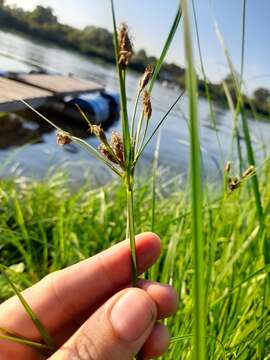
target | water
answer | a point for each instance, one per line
(29, 147)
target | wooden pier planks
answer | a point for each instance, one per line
(37, 89)
(12, 91)
(61, 85)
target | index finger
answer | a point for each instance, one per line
(62, 295)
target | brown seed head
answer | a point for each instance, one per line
(103, 150)
(125, 46)
(98, 132)
(63, 138)
(147, 106)
(146, 77)
(233, 183)
(117, 146)
(249, 171)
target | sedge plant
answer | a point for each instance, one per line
(226, 317)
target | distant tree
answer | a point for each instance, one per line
(140, 60)
(2, 2)
(229, 80)
(261, 95)
(97, 39)
(43, 15)
(141, 54)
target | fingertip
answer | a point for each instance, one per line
(148, 247)
(157, 343)
(165, 297)
(133, 314)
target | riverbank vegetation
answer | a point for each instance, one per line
(41, 23)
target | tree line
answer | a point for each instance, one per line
(98, 42)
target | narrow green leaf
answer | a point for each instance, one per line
(44, 334)
(10, 336)
(166, 48)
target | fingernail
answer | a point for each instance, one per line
(132, 315)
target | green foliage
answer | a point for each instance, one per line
(92, 219)
(42, 15)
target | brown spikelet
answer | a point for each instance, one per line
(146, 77)
(62, 138)
(98, 132)
(227, 168)
(125, 46)
(118, 147)
(103, 150)
(249, 171)
(233, 183)
(147, 106)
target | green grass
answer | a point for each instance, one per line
(92, 219)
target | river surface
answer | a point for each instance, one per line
(30, 148)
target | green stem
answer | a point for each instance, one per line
(134, 113)
(138, 132)
(131, 231)
(144, 136)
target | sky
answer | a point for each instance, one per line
(150, 21)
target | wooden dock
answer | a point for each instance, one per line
(39, 89)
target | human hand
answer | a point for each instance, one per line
(91, 312)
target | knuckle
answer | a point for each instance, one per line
(85, 348)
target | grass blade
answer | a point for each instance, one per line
(166, 47)
(199, 351)
(156, 72)
(154, 183)
(44, 334)
(9, 336)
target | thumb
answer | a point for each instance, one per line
(116, 331)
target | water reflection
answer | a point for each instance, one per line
(16, 131)
(26, 127)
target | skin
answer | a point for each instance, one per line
(77, 307)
